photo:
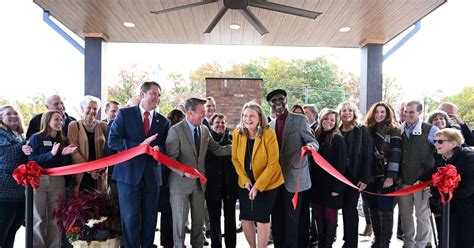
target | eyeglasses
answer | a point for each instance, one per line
(440, 141)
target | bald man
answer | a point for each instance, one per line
(452, 110)
(132, 102)
(53, 102)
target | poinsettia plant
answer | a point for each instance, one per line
(88, 216)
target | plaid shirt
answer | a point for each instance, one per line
(11, 156)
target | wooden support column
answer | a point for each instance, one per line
(94, 43)
(371, 77)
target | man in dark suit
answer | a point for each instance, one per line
(293, 132)
(111, 109)
(138, 179)
(210, 109)
(53, 102)
(187, 142)
(311, 113)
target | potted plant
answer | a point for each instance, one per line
(89, 219)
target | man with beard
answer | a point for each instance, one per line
(293, 132)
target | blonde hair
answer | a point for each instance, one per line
(21, 126)
(452, 135)
(262, 123)
(319, 129)
(356, 122)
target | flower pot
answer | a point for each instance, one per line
(109, 243)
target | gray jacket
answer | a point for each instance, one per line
(297, 134)
(180, 147)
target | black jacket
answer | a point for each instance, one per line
(360, 151)
(324, 184)
(463, 160)
(220, 171)
(468, 134)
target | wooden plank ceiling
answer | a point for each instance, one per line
(371, 21)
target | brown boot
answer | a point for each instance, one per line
(368, 227)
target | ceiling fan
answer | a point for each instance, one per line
(242, 6)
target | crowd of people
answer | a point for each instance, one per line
(257, 165)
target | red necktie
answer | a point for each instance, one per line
(146, 122)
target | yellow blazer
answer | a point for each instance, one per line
(265, 160)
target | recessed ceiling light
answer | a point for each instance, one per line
(129, 24)
(344, 29)
(234, 26)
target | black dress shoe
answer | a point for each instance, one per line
(206, 243)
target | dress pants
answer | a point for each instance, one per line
(350, 217)
(180, 204)
(138, 212)
(12, 215)
(45, 231)
(285, 219)
(419, 201)
(166, 229)
(214, 206)
(304, 223)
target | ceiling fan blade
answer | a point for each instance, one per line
(184, 6)
(284, 9)
(216, 19)
(254, 21)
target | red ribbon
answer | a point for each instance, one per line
(325, 165)
(446, 179)
(28, 174)
(33, 172)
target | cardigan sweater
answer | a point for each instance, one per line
(77, 136)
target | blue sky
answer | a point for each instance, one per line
(36, 60)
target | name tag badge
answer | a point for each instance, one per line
(47, 143)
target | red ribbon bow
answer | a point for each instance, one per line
(28, 174)
(446, 179)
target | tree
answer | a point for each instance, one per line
(180, 90)
(198, 77)
(127, 86)
(28, 109)
(465, 102)
(351, 85)
(318, 76)
(392, 91)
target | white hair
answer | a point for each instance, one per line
(88, 99)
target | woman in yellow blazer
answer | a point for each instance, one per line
(255, 155)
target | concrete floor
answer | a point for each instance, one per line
(364, 242)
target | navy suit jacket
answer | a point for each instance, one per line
(127, 132)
